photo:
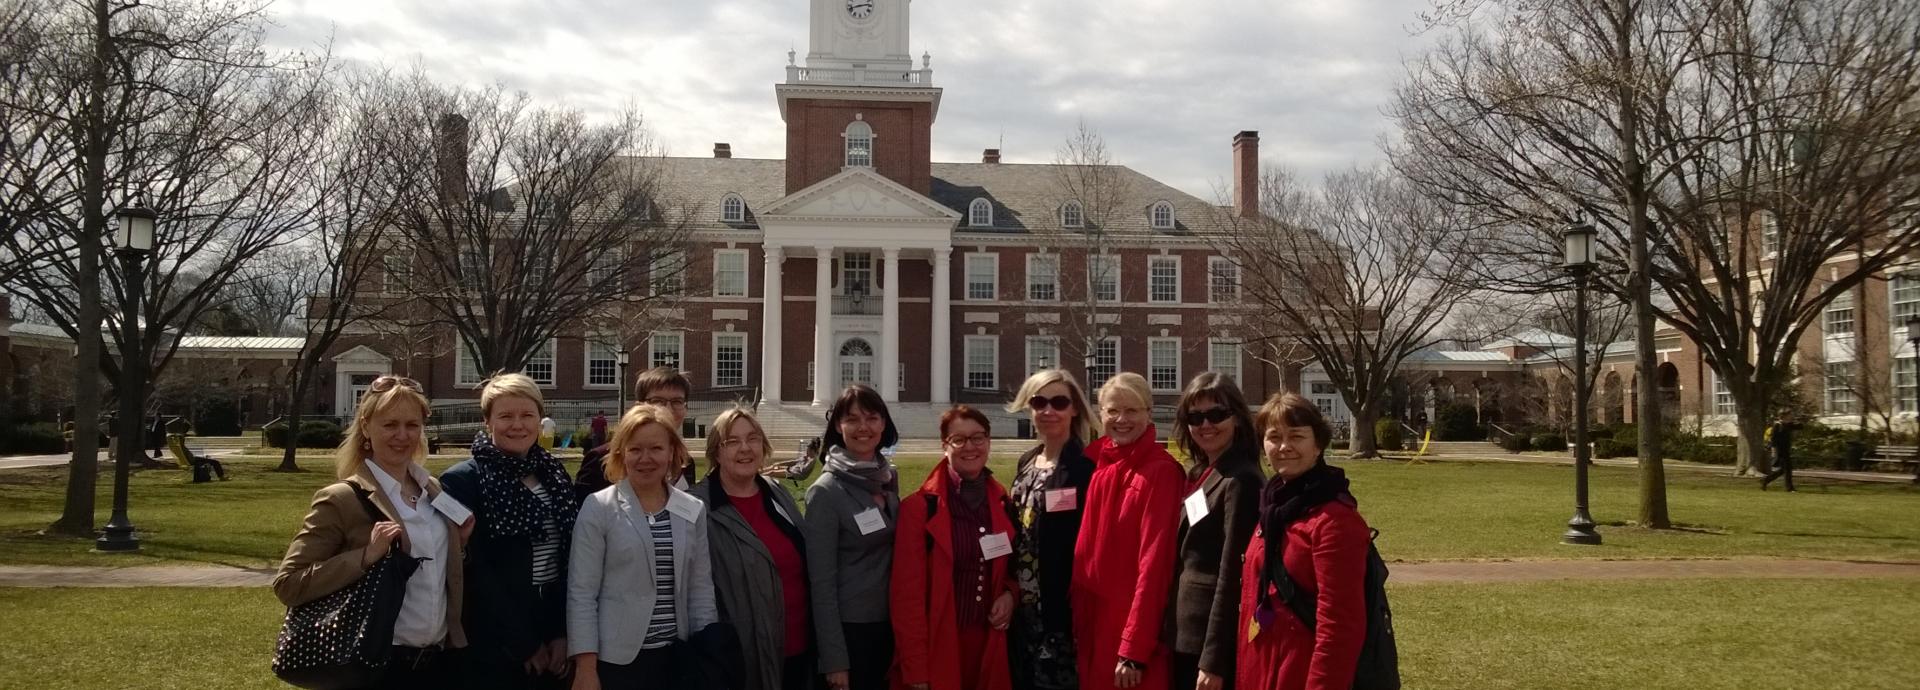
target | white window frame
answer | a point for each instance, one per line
(858, 156)
(1218, 266)
(467, 372)
(1153, 295)
(1838, 319)
(1906, 385)
(1155, 349)
(472, 263)
(1054, 290)
(980, 213)
(1897, 308)
(1840, 397)
(720, 271)
(740, 338)
(678, 280)
(605, 266)
(1769, 234)
(1161, 215)
(588, 359)
(991, 345)
(992, 264)
(1219, 350)
(1110, 370)
(1110, 261)
(657, 339)
(395, 270)
(1722, 397)
(1073, 215)
(552, 361)
(1047, 345)
(733, 209)
(865, 272)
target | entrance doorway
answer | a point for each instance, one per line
(856, 362)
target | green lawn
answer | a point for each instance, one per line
(1745, 634)
(1447, 510)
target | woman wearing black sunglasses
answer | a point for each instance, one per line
(1049, 493)
(1215, 430)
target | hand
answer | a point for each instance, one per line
(557, 659)
(384, 533)
(588, 678)
(538, 663)
(838, 680)
(466, 529)
(1208, 681)
(1124, 676)
(920, 686)
(1002, 611)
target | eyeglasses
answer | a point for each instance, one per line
(976, 440)
(675, 403)
(1215, 416)
(386, 383)
(730, 442)
(1059, 402)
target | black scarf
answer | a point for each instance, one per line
(1284, 502)
(511, 508)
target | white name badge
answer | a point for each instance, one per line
(687, 510)
(450, 507)
(994, 546)
(1196, 506)
(870, 521)
(1063, 499)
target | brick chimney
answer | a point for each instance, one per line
(722, 149)
(450, 155)
(1246, 174)
(990, 157)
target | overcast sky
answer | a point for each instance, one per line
(1166, 82)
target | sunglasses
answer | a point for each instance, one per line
(1216, 416)
(386, 383)
(1059, 402)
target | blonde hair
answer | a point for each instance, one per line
(723, 426)
(355, 444)
(510, 385)
(1129, 383)
(1086, 423)
(615, 466)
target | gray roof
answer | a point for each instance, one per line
(205, 342)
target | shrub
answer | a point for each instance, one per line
(274, 435)
(1388, 434)
(1609, 448)
(1456, 422)
(316, 433)
(1549, 442)
(1516, 443)
(36, 438)
(217, 417)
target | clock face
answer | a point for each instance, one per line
(860, 11)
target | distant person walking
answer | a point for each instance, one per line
(599, 430)
(1781, 438)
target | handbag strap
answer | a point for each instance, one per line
(366, 501)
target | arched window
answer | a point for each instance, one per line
(1162, 216)
(859, 144)
(733, 209)
(980, 213)
(1070, 215)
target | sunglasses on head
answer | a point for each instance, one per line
(386, 383)
(1058, 402)
(1215, 415)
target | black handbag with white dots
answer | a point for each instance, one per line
(342, 640)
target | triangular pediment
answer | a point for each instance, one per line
(859, 193)
(362, 354)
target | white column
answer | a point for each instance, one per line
(890, 328)
(770, 330)
(942, 329)
(823, 379)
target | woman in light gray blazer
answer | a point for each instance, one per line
(641, 579)
(759, 556)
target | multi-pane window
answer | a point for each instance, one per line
(1223, 280)
(1770, 232)
(1905, 298)
(665, 271)
(729, 360)
(983, 276)
(1906, 394)
(603, 365)
(473, 263)
(1722, 398)
(733, 209)
(665, 350)
(540, 365)
(1223, 358)
(730, 273)
(1103, 277)
(467, 367)
(1106, 362)
(398, 270)
(983, 361)
(1043, 277)
(1163, 364)
(605, 266)
(1840, 399)
(1043, 352)
(980, 213)
(1163, 279)
(1839, 315)
(860, 144)
(856, 273)
(1163, 216)
(1071, 216)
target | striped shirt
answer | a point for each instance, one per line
(662, 628)
(546, 554)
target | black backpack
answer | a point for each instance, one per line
(1379, 667)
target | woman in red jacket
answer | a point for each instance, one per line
(1307, 516)
(952, 592)
(1124, 569)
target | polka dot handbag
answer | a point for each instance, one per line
(342, 640)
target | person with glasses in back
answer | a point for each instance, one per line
(662, 387)
(517, 567)
(1049, 491)
(380, 462)
(1214, 428)
(953, 593)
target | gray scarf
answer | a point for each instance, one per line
(875, 476)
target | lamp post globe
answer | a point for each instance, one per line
(1578, 244)
(133, 239)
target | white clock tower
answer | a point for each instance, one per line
(865, 35)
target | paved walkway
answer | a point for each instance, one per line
(1403, 573)
(1545, 459)
(14, 462)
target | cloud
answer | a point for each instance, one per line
(1166, 82)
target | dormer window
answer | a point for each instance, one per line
(859, 145)
(1071, 217)
(1162, 216)
(733, 209)
(980, 213)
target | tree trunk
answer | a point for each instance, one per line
(1653, 472)
(1362, 444)
(288, 462)
(1751, 458)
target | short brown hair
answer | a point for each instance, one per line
(615, 466)
(959, 412)
(723, 426)
(1292, 410)
(866, 398)
(659, 377)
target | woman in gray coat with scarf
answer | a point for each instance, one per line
(759, 556)
(852, 511)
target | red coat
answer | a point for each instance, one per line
(1123, 561)
(1326, 553)
(926, 630)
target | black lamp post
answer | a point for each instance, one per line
(1579, 263)
(1913, 337)
(621, 357)
(132, 241)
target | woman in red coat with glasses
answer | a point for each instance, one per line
(952, 588)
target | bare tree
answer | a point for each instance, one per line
(1754, 158)
(1362, 271)
(1090, 192)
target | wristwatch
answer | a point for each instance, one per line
(1132, 665)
